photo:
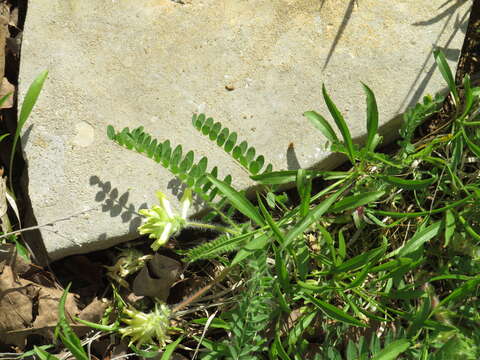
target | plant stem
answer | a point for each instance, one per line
(213, 227)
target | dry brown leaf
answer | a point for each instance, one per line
(6, 88)
(47, 301)
(156, 277)
(15, 306)
(9, 256)
(94, 311)
(28, 308)
(4, 221)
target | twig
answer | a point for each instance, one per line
(51, 223)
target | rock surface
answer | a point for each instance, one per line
(254, 65)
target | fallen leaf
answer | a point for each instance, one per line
(94, 311)
(9, 256)
(6, 88)
(15, 306)
(28, 308)
(47, 303)
(156, 277)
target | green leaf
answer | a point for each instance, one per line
(321, 124)
(214, 131)
(449, 226)
(467, 86)
(419, 238)
(392, 351)
(341, 124)
(223, 136)
(446, 73)
(420, 316)
(21, 249)
(111, 132)
(409, 184)
(28, 103)
(304, 188)
(3, 136)
(279, 347)
(311, 218)
(65, 332)
(268, 218)
(257, 243)
(333, 312)
(176, 156)
(467, 289)
(216, 323)
(276, 177)
(301, 325)
(207, 125)
(230, 143)
(42, 354)
(471, 145)
(372, 117)
(187, 162)
(359, 260)
(354, 201)
(4, 98)
(238, 200)
(167, 353)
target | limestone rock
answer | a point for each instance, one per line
(254, 65)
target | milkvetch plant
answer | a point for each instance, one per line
(389, 247)
(161, 222)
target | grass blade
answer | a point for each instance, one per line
(467, 289)
(359, 260)
(372, 117)
(167, 353)
(311, 217)
(446, 73)
(354, 201)
(409, 184)
(449, 225)
(268, 218)
(393, 349)
(322, 124)
(341, 124)
(43, 355)
(419, 238)
(28, 103)
(238, 200)
(333, 312)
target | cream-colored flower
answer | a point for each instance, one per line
(129, 261)
(143, 328)
(161, 222)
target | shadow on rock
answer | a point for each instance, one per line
(117, 204)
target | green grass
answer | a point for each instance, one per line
(381, 261)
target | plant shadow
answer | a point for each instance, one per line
(117, 204)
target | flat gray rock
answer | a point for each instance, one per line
(254, 65)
